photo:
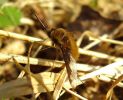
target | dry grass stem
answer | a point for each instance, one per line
(99, 55)
(75, 94)
(27, 21)
(94, 37)
(94, 43)
(34, 61)
(19, 36)
(110, 91)
(59, 84)
(111, 41)
(115, 71)
(25, 38)
(43, 62)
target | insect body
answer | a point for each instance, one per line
(65, 41)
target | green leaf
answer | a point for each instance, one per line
(9, 16)
(3, 1)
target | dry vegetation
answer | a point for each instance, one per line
(31, 68)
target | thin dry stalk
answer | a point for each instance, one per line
(109, 41)
(75, 94)
(33, 61)
(99, 55)
(19, 36)
(114, 84)
(43, 62)
(59, 84)
(94, 37)
(94, 43)
(105, 71)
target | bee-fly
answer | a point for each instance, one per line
(66, 43)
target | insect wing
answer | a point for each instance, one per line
(73, 74)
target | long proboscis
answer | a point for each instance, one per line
(39, 15)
